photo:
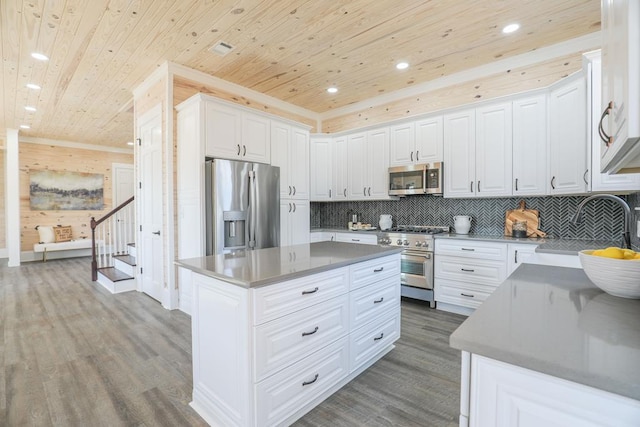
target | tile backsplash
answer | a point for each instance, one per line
(601, 219)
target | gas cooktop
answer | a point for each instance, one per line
(422, 229)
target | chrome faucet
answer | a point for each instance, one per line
(626, 235)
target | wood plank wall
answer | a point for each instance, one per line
(40, 156)
(3, 237)
(506, 83)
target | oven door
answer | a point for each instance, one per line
(416, 269)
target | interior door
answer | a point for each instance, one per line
(151, 218)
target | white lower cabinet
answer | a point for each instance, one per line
(322, 236)
(361, 238)
(519, 253)
(505, 395)
(265, 356)
(295, 219)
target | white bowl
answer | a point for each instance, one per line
(617, 277)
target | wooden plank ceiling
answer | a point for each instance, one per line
(293, 50)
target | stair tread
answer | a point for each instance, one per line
(127, 259)
(114, 274)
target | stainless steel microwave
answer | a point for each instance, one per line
(424, 178)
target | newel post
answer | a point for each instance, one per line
(94, 262)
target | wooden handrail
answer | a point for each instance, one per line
(94, 224)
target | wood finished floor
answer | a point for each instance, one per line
(71, 354)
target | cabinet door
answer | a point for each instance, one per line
(429, 140)
(518, 254)
(299, 163)
(256, 138)
(493, 150)
(357, 158)
(530, 146)
(285, 222)
(223, 130)
(280, 137)
(340, 169)
(568, 137)
(300, 222)
(459, 154)
(378, 164)
(401, 145)
(321, 169)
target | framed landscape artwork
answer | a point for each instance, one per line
(61, 190)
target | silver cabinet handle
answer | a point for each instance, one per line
(238, 149)
(310, 382)
(417, 156)
(553, 180)
(345, 192)
(289, 190)
(310, 292)
(467, 295)
(378, 301)
(380, 337)
(157, 233)
(369, 191)
(289, 207)
(472, 186)
(294, 207)
(478, 186)
(516, 184)
(244, 148)
(412, 156)
(378, 270)
(329, 193)
(515, 257)
(294, 190)
(467, 249)
(304, 334)
(355, 240)
(584, 177)
(364, 191)
(603, 135)
(468, 270)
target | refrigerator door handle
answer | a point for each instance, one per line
(252, 211)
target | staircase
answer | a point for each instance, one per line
(113, 263)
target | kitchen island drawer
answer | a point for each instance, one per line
(373, 338)
(471, 249)
(286, 340)
(470, 270)
(281, 395)
(359, 238)
(369, 272)
(465, 295)
(271, 302)
(371, 302)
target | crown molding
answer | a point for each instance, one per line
(151, 79)
(579, 44)
(71, 144)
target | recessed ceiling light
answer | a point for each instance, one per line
(332, 90)
(25, 127)
(511, 28)
(30, 108)
(402, 65)
(129, 143)
(40, 56)
(33, 86)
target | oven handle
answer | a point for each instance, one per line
(425, 255)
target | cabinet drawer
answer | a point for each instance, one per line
(371, 302)
(282, 394)
(466, 295)
(470, 270)
(286, 340)
(271, 302)
(372, 271)
(472, 249)
(361, 238)
(373, 338)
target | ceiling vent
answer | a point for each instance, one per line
(221, 48)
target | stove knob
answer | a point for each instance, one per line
(406, 243)
(418, 244)
(399, 242)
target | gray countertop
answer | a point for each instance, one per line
(267, 266)
(555, 321)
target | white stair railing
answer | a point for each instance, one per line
(111, 236)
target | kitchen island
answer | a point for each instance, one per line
(550, 348)
(276, 331)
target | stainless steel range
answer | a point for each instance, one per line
(416, 273)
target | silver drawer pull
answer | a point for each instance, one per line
(355, 240)
(378, 270)
(378, 301)
(467, 295)
(310, 382)
(310, 292)
(304, 334)
(468, 249)
(467, 270)
(380, 337)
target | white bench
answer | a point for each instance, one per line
(61, 246)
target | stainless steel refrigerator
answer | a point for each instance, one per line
(242, 206)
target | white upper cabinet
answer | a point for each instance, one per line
(493, 150)
(477, 151)
(416, 142)
(460, 154)
(530, 146)
(340, 169)
(290, 152)
(568, 136)
(321, 169)
(232, 133)
(621, 84)
(368, 165)
(602, 181)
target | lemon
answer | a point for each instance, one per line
(612, 252)
(637, 256)
(597, 252)
(629, 254)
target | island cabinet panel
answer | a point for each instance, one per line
(505, 395)
(266, 355)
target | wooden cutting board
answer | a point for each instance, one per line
(523, 214)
